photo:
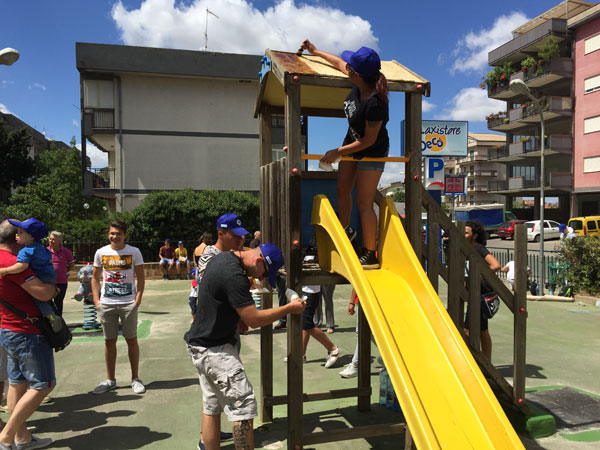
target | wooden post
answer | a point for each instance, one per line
(292, 255)
(474, 302)
(456, 275)
(433, 249)
(266, 332)
(364, 360)
(413, 178)
(520, 314)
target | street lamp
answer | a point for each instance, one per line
(519, 87)
(8, 56)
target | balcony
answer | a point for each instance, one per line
(527, 115)
(528, 43)
(531, 147)
(555, 183)
(479, 188)
(535, 77)
(483, 173)
(103, 178)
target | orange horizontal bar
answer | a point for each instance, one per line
(350, 158)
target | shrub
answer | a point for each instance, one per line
(582, 254)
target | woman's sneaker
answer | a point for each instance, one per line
(368, 260)
(349, 371)
(332, 358)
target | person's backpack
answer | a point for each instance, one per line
(566, 291)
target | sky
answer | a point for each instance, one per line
(445, 42)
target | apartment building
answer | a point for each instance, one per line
(544, 55)
(170, 120)
(480, 169)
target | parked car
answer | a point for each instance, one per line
(586, 226)
(551, 230)
(507, 229)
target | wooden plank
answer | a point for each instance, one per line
(474, 306)
(364, 361)
(345, 434)
(433, 249)
(350, 158)
(293, 262)
(456, 276)
(520, 314)
(413, 178)
(321, 396)
(265, 136)
(266, 333)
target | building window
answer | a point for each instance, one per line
(592, 84)
(592, 44)
(591, 125)
(527, 172)
(591, 164)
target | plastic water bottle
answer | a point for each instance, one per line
(291, 295)
(383, 383)
(389, 403)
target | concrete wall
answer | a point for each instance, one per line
(184, 132)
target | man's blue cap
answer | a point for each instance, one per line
(232, 223)
(365, 61)
(33, 226)
(273, 259)
(561, 228)
(180, 242)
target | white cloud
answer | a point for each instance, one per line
(471, 104)
(4, 109)
(393, 172)
(471, 52)
(427, 106)
(37, 86)
(98, 157)
(75, 123)
(240, 28)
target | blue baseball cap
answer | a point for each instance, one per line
(365, 61)
(231, 222)
(33, 226)
(273, 260)
(180, 242)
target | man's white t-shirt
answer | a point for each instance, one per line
(118, 281)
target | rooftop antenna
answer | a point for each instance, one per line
(208, 11)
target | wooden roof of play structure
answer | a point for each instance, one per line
(324, 88)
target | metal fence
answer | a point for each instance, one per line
(504, 255)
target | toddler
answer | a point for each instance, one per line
(34, 254)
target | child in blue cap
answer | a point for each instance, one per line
(36, 256)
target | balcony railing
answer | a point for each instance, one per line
(552, 144)
(103, 178)
(513, 50)
(103, 118)
(483, 173)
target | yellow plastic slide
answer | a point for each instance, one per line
(444, 396)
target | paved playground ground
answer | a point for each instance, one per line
(562, 344)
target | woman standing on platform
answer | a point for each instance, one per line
(367, 111)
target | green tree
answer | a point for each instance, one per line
(187, 214)
(399, 196)
(17, 166)
(55, 195)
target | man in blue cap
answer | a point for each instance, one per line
(223, 299)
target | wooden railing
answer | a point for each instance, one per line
(453, 273)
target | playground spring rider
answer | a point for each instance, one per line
(84, 292)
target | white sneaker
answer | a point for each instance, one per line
(332, 358)
(105, 386)
(137, 386)
(349, 371)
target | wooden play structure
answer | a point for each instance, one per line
(296, 86)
